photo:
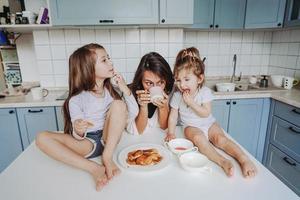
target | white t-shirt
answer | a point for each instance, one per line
(86, 106)
(187, 115)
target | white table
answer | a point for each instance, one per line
(33, 175)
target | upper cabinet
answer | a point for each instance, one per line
(292, 13)
(220, 14)
(103, 12)
(264, 13)
(176, 11)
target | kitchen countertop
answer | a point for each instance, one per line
(33, 175)
(291, 97)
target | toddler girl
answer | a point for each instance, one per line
(193, 104)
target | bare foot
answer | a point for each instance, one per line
(248, 168)
(100, 177)
(227, 167)
(111, 168)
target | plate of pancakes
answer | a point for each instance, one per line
(144, 157)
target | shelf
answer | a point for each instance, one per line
(25, 27)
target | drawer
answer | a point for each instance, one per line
(286, 137)
(285, 168)
(287, 112)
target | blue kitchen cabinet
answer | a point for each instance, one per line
(59, 118)
(292, 13)
(245, 120)
(34, 120)
(103, 12)
(219, 14)
(282, 146)
(264, 13)
(10, 141)
(176, 11)
(220, 110)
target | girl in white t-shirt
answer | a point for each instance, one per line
(193, 104)
(153, 70)
(90, 114)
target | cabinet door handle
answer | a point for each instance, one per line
(234, 102)
(296, 111)
(11, 112)
(227, 102)
(279, 24)
(217, 26)
(35, 111)
(106, 21)
(295, 131)
(286, 159)
(163, 21)
(210, 26)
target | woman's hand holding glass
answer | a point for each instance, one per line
(143, 97)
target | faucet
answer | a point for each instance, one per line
(232, 79)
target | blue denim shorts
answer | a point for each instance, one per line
(96, 138)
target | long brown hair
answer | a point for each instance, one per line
(82, 78)
(155, 63)
(189, 59)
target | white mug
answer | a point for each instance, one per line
(38, 93)
(289, 82)
(156, 93)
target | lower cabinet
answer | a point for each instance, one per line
(282, 149)
(34, 120)
(10, 141)
(59, 118)
(245, 120)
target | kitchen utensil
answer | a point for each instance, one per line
(252, 80)
(264, 81)
(289, 82)
(180, 145)
(225, 87)
(122, 157)
(38, 93)
(194, 162)
(155, 93)
(277, 80)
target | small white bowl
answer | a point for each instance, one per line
(180, 145)
(225, 87)
(194, 162)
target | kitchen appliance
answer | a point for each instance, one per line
(277, 80)
(289, 82)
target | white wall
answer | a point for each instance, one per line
(27, 58)
(258, 52)
(285, 53)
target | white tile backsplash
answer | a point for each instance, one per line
(72, 36)
(258, 52)
(57, 37)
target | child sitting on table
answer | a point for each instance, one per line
(193, 104)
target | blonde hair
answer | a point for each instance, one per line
(189, 59)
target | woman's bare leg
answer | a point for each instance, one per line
(66, 149)
(205, 147)
(113, 128)
(218, 138)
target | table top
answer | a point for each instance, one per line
(33, 175)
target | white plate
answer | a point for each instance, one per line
(162, 151)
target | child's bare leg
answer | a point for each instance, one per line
(65, 148)
(218, 138)
(113, 128)
(205, 147)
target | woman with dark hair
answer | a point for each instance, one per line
(153, 70)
